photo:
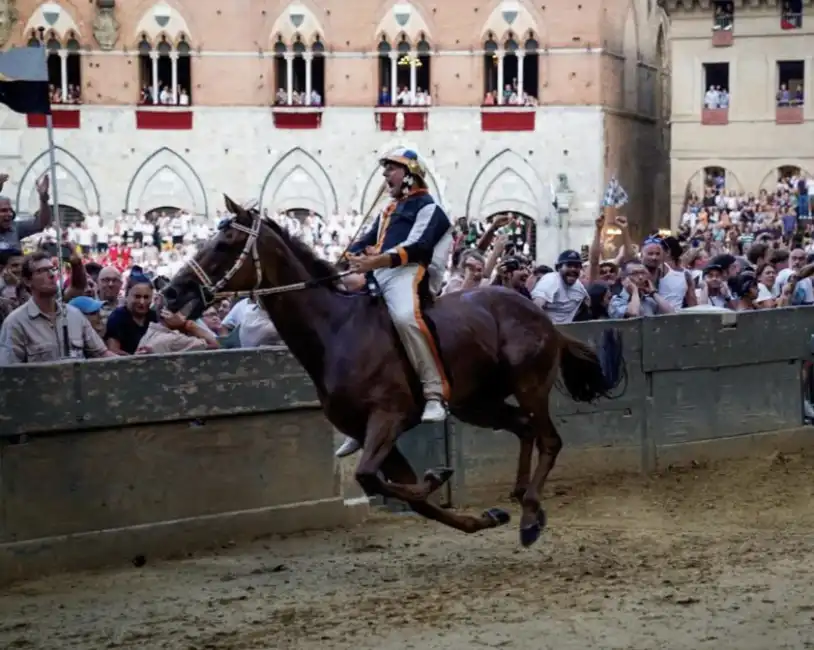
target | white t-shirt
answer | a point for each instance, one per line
(763, 293)
(256, 329)
(236, 313)
(562, 301)
(673, 288)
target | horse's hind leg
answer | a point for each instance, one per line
(396, 468)
(505, 416)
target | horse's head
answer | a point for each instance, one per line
(228, 262)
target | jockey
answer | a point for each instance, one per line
(407, 249)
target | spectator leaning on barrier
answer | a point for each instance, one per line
(34, 331)
(561, 294)
(639, 296)
(713, 289)
(126, 325)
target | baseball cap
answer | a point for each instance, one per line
(86, 304)
(569, 257)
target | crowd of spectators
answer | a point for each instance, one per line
(164, 97)
(405, 97)
(73, 94)
(512, 96)
(297, 98)
(732, 251)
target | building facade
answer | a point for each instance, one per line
(293, 103)
(760, 54)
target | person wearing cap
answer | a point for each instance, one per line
(406, 250)
(562, 294)
(92, 310)
(713, 289)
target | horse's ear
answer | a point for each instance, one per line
(231, 206)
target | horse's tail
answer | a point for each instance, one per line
(589, 373)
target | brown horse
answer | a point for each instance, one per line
(494, 342)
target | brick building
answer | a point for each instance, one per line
(282, 102)
(760, 54)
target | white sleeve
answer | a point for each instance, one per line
(546, 287)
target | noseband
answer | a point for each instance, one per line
(212, 291)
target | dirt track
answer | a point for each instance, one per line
(700, 558)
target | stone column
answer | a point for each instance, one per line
(500, 77)
(413, 75)
(394, 73)
(520, 57)
(63, 73)
(309, 58)
(154, 61)
(289, 78)
(174, 66)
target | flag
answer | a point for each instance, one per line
(24, 80)
(615, 195)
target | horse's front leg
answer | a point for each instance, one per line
(383, 430)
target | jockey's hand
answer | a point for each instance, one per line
(370, 250)
(365, 263)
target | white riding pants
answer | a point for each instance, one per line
(399, 288)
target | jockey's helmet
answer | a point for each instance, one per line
(408, 159)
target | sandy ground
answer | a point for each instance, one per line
(702, 557)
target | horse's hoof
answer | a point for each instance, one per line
(498, 515)
(439, 475)
(531, 533)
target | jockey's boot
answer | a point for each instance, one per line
(348, 448)
(434, 411)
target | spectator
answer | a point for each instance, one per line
(714, 290)
(126, 325)
(92, 310)
(13, 231)
(35, 332)
(561, 294)
(639, 296)
(513, 273)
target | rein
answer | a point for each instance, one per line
(212, 291)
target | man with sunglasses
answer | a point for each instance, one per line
(12, 231)
(673, 284)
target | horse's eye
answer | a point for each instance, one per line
(224, 224)
(221, 247)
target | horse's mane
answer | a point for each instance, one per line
(316, 267)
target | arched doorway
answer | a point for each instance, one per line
(713, 178)
(163, 211)
(521, 231)
(68, 216)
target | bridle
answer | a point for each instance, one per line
(212, 291)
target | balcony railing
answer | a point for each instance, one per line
(723, 30)
(715, 116)
(63, 116)
(791, 20)
(791, 113)
(507, 118)
(297, 117)
(164, 118)
(402, 118)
